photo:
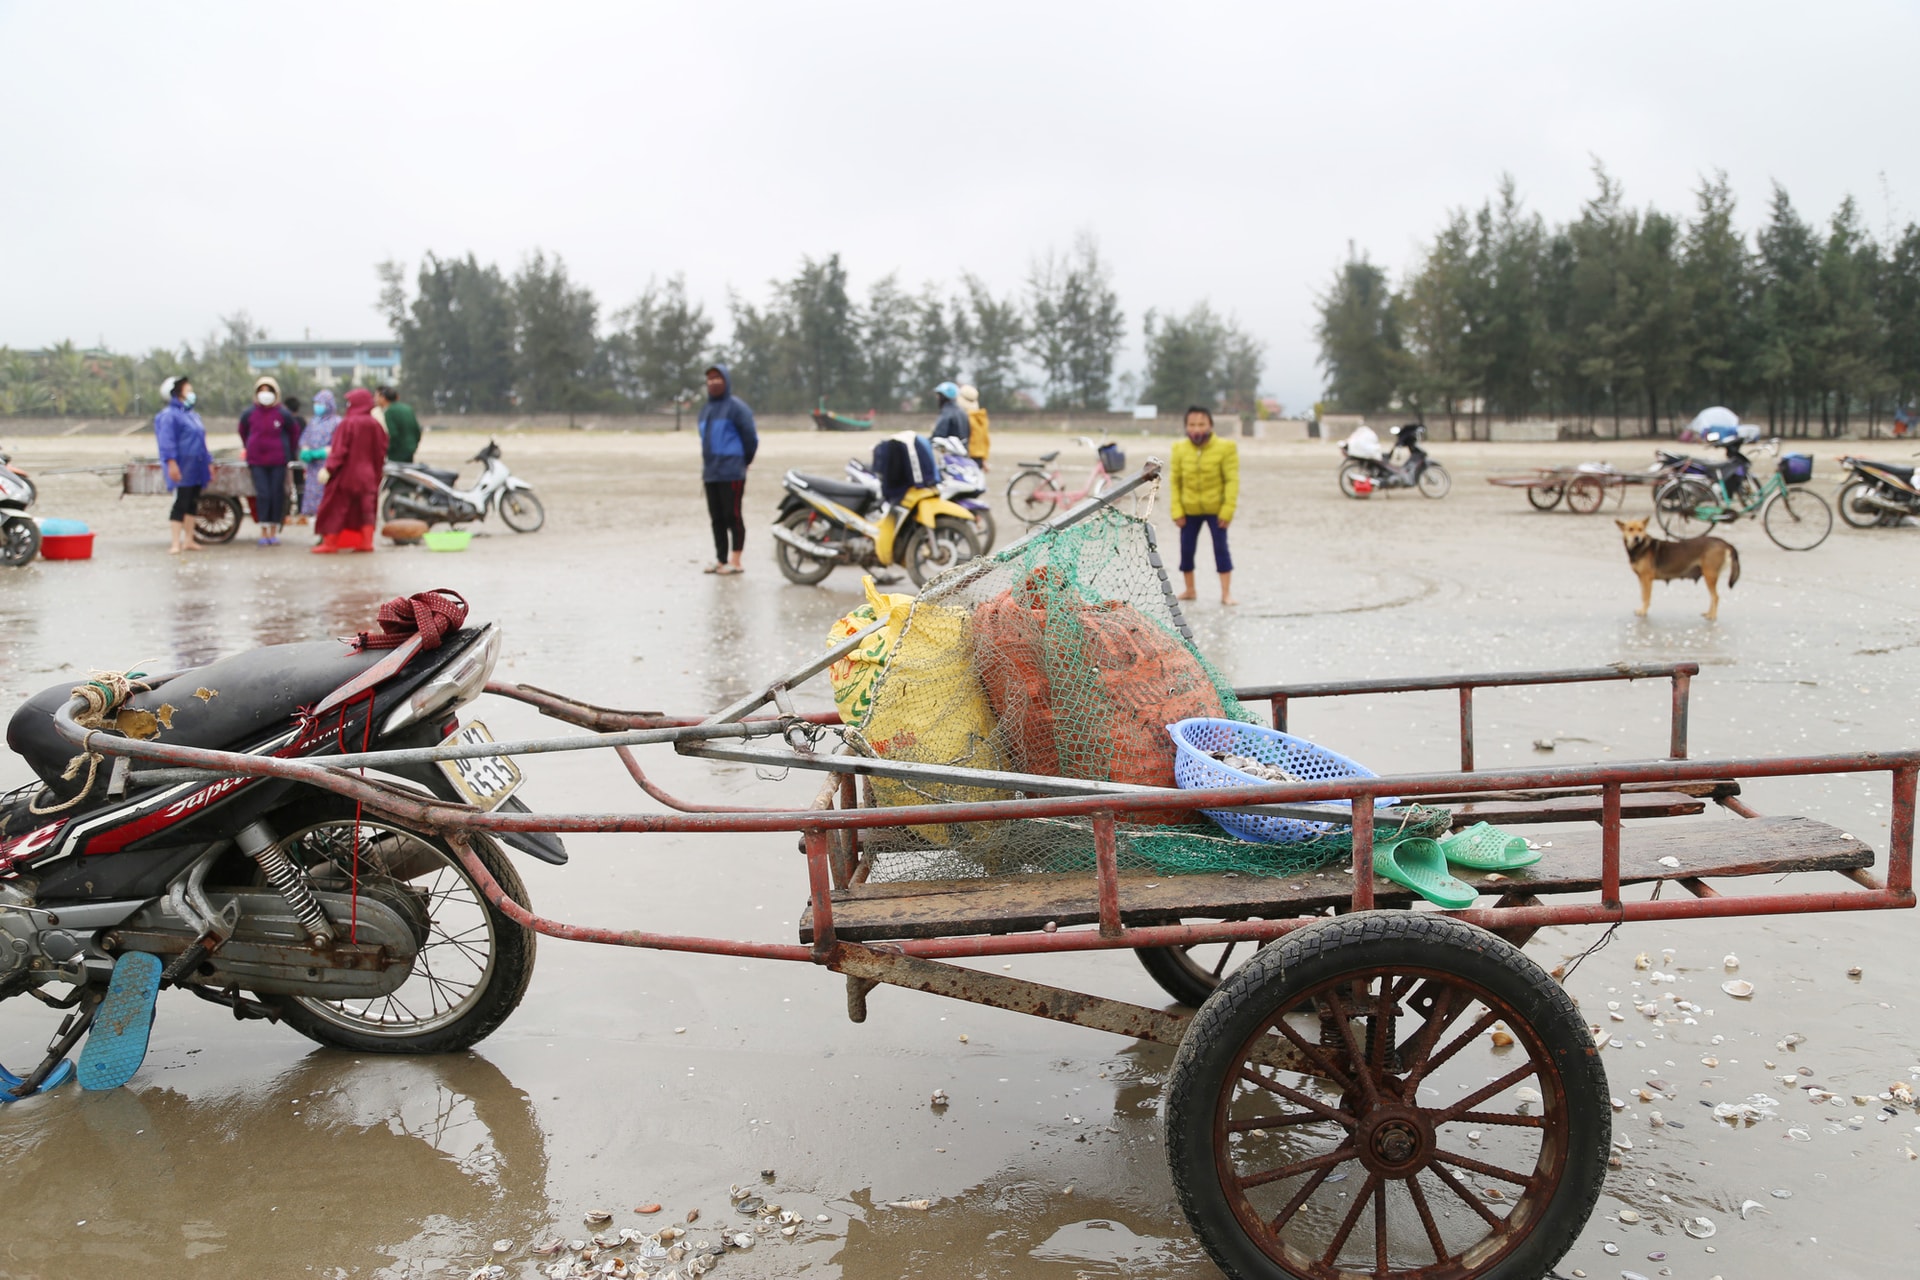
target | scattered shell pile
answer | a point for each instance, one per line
(1666, 1015)
(1257, 768)
(664, 1253)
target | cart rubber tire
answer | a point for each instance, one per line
(1545, 497)
(796, 566)
(1797, 519)
(1352, 469)
(1189, 979)
(1434, 482)
(1464, 978)
(19, 541)
(1586, 494)
(216, 520)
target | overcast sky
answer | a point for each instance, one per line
(164, 164)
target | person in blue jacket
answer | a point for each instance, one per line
(728, 442)
(182, 439)
(953, 422)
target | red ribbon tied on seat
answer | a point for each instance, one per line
(431, 613)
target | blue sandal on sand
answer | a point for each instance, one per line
(1485, 847)
(117, 1045)
(1419, 865)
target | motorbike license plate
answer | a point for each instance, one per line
(487, 781)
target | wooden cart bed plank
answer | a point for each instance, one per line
(955, 908)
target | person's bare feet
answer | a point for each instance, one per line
(190, 546)
(173, 551)
(1186, 595)
(1228, 600)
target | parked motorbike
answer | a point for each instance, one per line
(1688, 481)
(19, 535)
(1877, 493)
(962, 480)
(416, 491)
(272, 897)
(1365, 467)
(822, 523)
(6, 464)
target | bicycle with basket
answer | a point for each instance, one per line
(1389, 1085)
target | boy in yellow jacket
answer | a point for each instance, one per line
(1204, 492)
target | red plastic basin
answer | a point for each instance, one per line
(70, 546)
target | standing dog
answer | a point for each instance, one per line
(1692, 558)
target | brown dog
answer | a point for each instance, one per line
(1692, 558)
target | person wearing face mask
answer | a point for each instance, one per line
(271, 439)
(1204, 491)
(315, 441)
(182, 440)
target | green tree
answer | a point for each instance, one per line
(1716, 269)
(658, 349)
(555, 320)
(760, 356)
(1900, 303)
(1074, 325)
(1789, 307)
(1359, 337)
(456, 333)
(886, 342)
(934, 357)
(1850, 353)
(996, 333)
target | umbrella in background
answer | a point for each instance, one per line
(1717, 416)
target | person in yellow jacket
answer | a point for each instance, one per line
(1204, 493)
(977, 439)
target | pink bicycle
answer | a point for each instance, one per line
(1035, 493)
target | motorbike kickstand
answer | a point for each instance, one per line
(73, 1028)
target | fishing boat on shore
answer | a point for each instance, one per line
(827, 420)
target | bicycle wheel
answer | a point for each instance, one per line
(1797, 519)
(1685, 507)
(1032, 496)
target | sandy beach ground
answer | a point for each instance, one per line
(629, 1078)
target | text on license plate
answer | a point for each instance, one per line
(485, 780)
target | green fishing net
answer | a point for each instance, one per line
(1063, 655)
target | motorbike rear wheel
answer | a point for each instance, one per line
(1351, 470)
(1858, 514)
(522, 510)
(796, 565)
(930, 552)
(473, 965)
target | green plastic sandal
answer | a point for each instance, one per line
(1485, 847)
(1421, 866)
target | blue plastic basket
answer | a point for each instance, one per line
(1194, 770)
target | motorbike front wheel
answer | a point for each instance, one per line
(1350, 471)
(984, 528)
(796, 565)
(522, 511)
(19, 541)
(933, 551)
(1434, 481)
(473, 964)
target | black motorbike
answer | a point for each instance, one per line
(1364, 468)
(273, 897)
(1877, 493)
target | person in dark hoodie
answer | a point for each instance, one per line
(728, 442)
(952, 422)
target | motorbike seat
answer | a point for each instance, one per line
(252, 695)
(1724, 470)
(444, 475)
(844, 492)
(1893, 469)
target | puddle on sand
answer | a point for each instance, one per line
(1107, 1246)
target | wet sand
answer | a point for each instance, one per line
(242, 1149)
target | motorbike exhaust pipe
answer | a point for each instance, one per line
(409, 505)
(1879, 503)
(819, 551)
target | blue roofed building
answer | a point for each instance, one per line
(356, 362)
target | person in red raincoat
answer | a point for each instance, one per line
(355, 464)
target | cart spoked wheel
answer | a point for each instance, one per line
(1585, 494)
(1192, 973)
(216, 519)
(1545, 497)
(1384, 1133)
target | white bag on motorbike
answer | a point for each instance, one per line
(1363, 443)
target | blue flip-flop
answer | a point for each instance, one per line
(55, 1078)
(117, 1044)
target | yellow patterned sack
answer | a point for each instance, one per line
(852, 677)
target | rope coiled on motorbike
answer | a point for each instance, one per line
(106, 693)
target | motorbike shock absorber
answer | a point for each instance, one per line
(259, 844)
